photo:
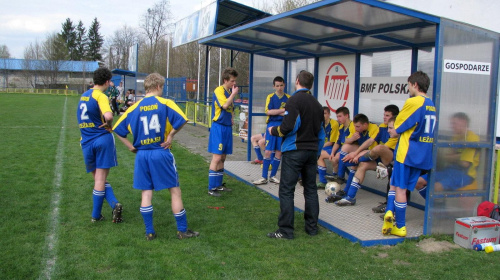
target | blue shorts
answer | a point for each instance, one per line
(100, 153)
(220, 140)
(452, 178)
(328, 149)
(273, 143)
(155, 170)
(404, 176)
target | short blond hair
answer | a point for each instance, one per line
(152, 81)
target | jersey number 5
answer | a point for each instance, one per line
(153, 124)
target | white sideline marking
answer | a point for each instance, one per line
(50, 255)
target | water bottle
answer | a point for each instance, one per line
(481, 247)
(492, 248)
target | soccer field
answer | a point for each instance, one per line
(46, 231)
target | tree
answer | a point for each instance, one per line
(54, 53)
(4, 51)
(155, 23)
(281, 6)
(80, 42)
(117, 48)
(68, 35)
(95, 41)
(32, 55)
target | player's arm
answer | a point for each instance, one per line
(289, 120)
(229, 100)
(127, 143)
(170, 137)
(408, 117)
(335, 147)
(353, 135)
(103, 103)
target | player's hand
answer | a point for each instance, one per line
(107, 127)
(168, 142)
(269, 130)
(349, 157)
(133, 150)
(331, 157)
(356, 136)
(235, 90)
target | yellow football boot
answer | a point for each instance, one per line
(399, 231)
(388, 223)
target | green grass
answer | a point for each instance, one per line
(232, 244)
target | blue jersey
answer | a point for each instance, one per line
(345, 131)
(371, 132)
(90, 115)
(331, 131)
(150, 121)
(273, 102)
(415, 125)
(383, 134)
(219, 114)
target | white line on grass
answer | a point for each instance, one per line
(50, 254)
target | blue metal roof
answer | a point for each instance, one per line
(331, 27)
(63, 66)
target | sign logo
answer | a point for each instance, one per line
(336, 87)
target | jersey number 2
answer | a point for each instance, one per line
(152, 124)
(83, 115)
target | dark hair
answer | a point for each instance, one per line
(393, 109)
(326, 109)
(461, 116)
(102, 75)
(421, 79)
(361, 118)
(306, 79)
(278, 79)
(343, 110)
(227, 73)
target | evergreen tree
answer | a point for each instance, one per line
(95, 41)
(80, 42)
(68, 35)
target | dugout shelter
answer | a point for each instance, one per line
(361, 53)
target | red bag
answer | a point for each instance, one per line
(485, 208)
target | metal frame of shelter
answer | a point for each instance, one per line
(333, 28)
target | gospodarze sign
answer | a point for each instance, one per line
(467, 67)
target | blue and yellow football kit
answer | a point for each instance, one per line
(220, 140)
(150, 121)
(97, 143)
(274, 101)
(332, 134)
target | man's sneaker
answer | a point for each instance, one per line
(333, 198)
(382, 171)
(261, 181)
(346, 202)
(321, 185)
(214, 192)
(117, 213)
(388, 223)
(257, 161)
(223, 188)
(341, 193)
(339, 180)
(278, 235)
(274, 180)
(380, 208)
(401, 232)
(150, 236)
(187, 234)
(330, 177)
(93, 220)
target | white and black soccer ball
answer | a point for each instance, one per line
(332, 188)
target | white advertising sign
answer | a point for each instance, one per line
(466, 67)
(336, 82)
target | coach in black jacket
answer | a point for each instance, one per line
(303, 137)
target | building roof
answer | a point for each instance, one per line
(331, 27)
(64, 66)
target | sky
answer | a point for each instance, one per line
(27, 21)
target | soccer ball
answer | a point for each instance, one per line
(332, 188)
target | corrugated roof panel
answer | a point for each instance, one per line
(63, 66)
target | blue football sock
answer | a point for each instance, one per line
(353, 189)
(275, 166)
(322, 173)
(400, 214)
(110, 195)
(212, 179)
(98, 198)
(258, 152)
(423, 192)
(147, 216)
(265, 167)
(349, 180)
(342, 167)
(181, 220)
(391, 197)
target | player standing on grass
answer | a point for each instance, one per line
(413, 155)
(220, 142)
(95, 120)
(153, 121)
(275, 109)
